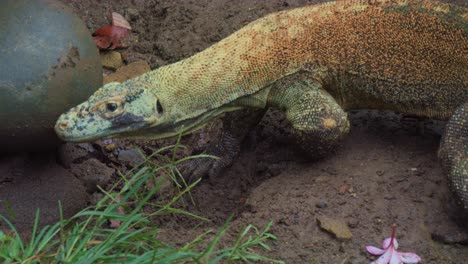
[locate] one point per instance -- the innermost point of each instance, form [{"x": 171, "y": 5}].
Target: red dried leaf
[
  {"x": 110, "y": 36},
  {"x": 102, "y": 42}
]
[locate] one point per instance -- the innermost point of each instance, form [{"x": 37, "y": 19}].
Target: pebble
[
  {"x": 336, "y": 227},
  {"x": 111, "y": 60},
  {"x": 124, "y": 73},
  {"x": 344, "y": 189},
  {"x": 131, "y": 157},
  {"x": 321, "y": 204}
]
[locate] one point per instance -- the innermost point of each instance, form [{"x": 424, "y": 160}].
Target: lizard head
[{"x": 113, "y": 109}]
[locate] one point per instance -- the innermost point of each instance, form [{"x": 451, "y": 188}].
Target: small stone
[
  {"x": 321, "y": 204},
  {"x": 131, "y": 157},
  {"x": 336, "y": 227},
  {"x": 111, "y": 60},
  {"x": 127, "y": 72},
  {"x": 344, "y": 189}
]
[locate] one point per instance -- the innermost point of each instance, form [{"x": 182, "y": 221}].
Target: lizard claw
[{"x": 195, "y": 169}]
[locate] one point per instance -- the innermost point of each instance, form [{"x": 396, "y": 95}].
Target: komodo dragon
[{"x": 314, "y": 63}]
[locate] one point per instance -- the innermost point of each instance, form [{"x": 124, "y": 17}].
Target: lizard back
[{"x": 409, "y": 56}]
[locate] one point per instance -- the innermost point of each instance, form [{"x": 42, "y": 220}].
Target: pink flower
[{"x": 389, "y": 253}]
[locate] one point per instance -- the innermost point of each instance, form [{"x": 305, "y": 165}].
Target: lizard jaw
[{"x": 62, "y": 132}]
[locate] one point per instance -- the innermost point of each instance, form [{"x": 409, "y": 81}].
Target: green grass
[{"x": 87, "y": 238}]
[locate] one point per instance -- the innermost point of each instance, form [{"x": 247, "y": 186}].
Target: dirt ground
[{"x": 386, "y": 172}]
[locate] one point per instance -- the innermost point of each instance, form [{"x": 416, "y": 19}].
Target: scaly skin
[{"x": 314, "y": 63}]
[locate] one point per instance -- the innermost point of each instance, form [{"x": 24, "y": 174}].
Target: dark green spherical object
[{"x": 48, "y": 63}]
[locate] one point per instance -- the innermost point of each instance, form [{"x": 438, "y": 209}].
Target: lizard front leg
[
  {"x": 236, "y": 126},
  {"x": 453, "y": 153},
  {"x": 319, "y": 123}
]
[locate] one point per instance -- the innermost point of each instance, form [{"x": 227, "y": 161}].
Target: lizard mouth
[{"x": 103, "y": 134}]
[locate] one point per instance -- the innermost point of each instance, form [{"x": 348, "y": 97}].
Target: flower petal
[
  {"x": 410, "y": 258},
  {"x": 374, "y": 250},
  {"x": 386, "y": 242},
  {"x": 396, "y": 259},
  {"x": 385, "y": 258},
  {"x": 395, "y": 243}
]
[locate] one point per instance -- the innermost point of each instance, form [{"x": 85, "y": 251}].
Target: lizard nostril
[{"x": 63, "y": 125}]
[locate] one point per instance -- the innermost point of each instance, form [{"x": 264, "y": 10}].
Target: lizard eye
[{"x": 111, "y": 107}]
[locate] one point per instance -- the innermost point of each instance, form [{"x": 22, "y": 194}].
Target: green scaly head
[
  {"x": 137, "y": 108},
  {"x": 115, "y": 109}
]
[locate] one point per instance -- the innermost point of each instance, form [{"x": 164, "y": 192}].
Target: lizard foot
[
  {"x": 224, "y": 151},
  {"x": 195, "y": 169}
]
